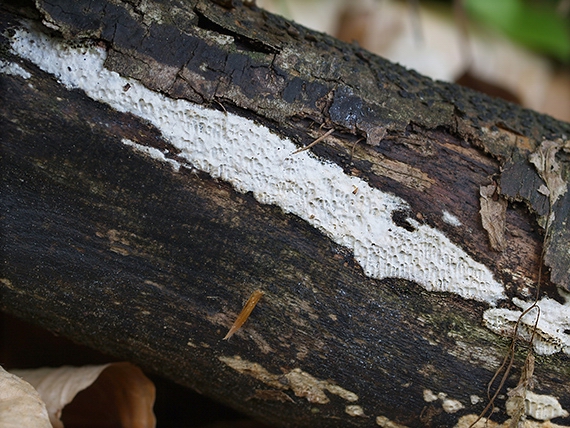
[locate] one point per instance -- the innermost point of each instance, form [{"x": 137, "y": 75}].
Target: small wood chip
[{"x": 245, "y": 312}]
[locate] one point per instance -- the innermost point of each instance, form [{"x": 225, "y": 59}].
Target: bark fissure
[
  {"x": 180, "y": 251},
  {"x": 372, "y": 105}
]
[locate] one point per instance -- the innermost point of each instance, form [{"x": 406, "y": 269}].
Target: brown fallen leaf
[{"x": 116, "y": 394}]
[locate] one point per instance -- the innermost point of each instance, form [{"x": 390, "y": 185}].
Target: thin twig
[
  {"x": 353, "y": 147},
  {"x": 510, "y": 357},
  {"x": 318, "y": 140},
  {"x": 222, "y": 106}
]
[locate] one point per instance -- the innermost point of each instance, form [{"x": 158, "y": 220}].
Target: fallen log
[{"x": 152, "y": 181}]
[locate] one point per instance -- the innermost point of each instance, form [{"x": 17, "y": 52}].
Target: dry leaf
[
  {"x": 544, "y": 159},
  {"x": 20, "y": 404},
  {"x": 493, "y": 213},
  {"x": 117, "y": 394}
]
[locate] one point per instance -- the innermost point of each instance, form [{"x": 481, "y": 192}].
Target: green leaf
[{"x": 537, "y": 26}]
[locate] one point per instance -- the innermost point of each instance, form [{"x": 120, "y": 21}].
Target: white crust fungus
[
  {"x": 13, "y": 69},
  {"x": 354, "y": 410},
  {"x": 450, "y": 219},
  {"x": 253, "y": 159},
  {"x": 429, "y": 396},
  {"x": 552, "y": 329},
  {"x": 300, "y": 382},
  {"x": 540, "y": 407},
  {"x": 450, "y": 405},
  {"x": 384, "y": 422}
]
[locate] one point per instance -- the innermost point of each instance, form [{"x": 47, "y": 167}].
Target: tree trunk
[{"x": 152, "y": 186}]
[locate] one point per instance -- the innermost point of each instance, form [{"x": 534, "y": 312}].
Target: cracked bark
[{"x": 157, "y": 263}]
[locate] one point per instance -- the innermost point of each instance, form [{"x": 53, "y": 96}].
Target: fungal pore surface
[{"x": 252, "y": 159}]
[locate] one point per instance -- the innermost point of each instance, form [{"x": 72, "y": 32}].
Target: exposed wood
[{"x": 117, "y": 250}]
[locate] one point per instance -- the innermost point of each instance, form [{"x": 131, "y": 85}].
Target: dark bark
[{"x": 115, "y": 250}]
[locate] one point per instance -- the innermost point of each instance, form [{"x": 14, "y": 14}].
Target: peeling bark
[
  {"x": 291, "y": 78},
  {"x": 105, "y": 220},
  {"x": 493, "y": 213}
]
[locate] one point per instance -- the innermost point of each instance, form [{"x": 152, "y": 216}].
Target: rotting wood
[
  {"x": 305, "y": 76},
  {"x": 151, "y": 258}
]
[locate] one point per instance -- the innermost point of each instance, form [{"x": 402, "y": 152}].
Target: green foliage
[{"x": 534, "y": 24}]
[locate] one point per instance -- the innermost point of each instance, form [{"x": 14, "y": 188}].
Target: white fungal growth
[
  {"x": 475, "y": 399},
  {"x": 450, "y": 405},
  {"x": 253, "y": 159},
  {"x": 384, "y": 422},
  {"x": 552, "y": 329},
  {"x": 153, "y": 152},
  {"x": 354, "y": 410},
  {"x": 450, "y": 219},
  {"x": 540, "y": 407},
  {"x": 13, "y": 69},
  {"x": 429, "y": 396}
]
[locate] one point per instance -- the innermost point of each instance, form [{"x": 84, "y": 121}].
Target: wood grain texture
[
  {"x": 117, "y": 251},
  {"x": 292, "y": 79}
]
